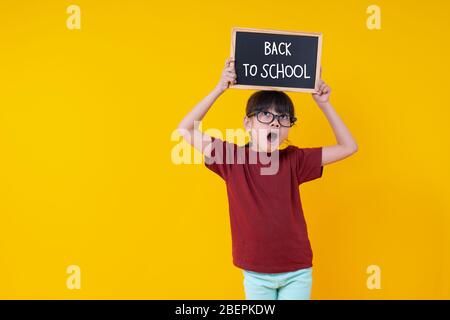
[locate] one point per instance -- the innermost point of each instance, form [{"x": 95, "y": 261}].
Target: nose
[{"x": 275, "y": 123}]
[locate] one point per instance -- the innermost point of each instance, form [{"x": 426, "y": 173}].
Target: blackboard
[{"x": 276, "y": 60}]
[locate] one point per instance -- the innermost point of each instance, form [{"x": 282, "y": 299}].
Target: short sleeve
[
  {"x": 222, "y": 156},
  {"x": 309, "y": 164}
]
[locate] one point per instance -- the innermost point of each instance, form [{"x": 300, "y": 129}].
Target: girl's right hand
[{"x": 228, "y": 75}]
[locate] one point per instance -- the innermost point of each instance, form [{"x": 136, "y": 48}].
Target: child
[{"x": 269, "y": 234}]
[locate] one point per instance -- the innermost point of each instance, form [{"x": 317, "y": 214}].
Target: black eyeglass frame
[{"x": 274, "y": 116}]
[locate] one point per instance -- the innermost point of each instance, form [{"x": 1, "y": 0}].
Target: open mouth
[{"x": 272, "y": 137}]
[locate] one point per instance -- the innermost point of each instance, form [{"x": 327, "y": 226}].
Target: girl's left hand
[{"x": 323, "y": 94}]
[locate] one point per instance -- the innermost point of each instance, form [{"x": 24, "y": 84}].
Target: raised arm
[
  {"x": 189, "y": 126},
  {"x": 346, "y": 144}
]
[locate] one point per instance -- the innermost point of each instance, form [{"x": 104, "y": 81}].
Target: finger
[
  {"x": 227, "y": 62},
  {"x": 319, "y": 85},
  {"x": 230, "y": 62},
  {"x": 322, "y": 87},
  {"x": 319, "y": 90},
  {"x": 320, "y": 72}
]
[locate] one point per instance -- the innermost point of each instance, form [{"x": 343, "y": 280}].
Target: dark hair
[{"x": 265, "y": 99}]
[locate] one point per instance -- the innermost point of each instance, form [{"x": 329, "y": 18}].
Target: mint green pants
[{"x": 294, "y": 285}]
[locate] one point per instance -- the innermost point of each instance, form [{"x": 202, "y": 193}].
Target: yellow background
[{"x": 86, "y": 175}]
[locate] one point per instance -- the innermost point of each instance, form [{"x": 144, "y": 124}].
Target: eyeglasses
[{"x": 267, "y": 117}]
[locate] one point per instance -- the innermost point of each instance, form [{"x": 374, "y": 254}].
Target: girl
[{"x": 269, "y": 234}]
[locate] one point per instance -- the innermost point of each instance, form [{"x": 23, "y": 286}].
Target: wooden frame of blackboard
[{"x": 299, "y": 33}]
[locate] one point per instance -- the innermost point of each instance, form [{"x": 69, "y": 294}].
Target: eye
[
  {"x": 266, "y": 113},
  {"x": 284, "y": 116}
]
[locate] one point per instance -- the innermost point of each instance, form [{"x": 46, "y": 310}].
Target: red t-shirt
[{"x": 268, "y": 229}]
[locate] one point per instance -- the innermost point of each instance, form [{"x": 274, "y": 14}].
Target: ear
[{"x": 247, "y": 123}]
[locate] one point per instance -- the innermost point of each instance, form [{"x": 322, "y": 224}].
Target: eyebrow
[{"x": 274, "y": 112}]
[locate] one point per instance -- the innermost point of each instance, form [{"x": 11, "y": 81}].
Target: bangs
[{"x": 264, "y": 100}]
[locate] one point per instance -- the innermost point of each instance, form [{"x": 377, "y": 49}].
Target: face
[{"x": 267, "y": 137}]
